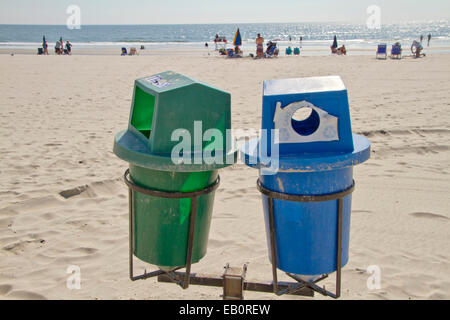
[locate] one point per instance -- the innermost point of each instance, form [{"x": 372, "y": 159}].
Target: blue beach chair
[
  {"x": 272, "y": 50},
  {"x": 382, "y": 51},
  {"x": 124, "y": 52},
  {"x": 396, "y": 51}
]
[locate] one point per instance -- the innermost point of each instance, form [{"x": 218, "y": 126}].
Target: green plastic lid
[{"x": 177, "y": 124}]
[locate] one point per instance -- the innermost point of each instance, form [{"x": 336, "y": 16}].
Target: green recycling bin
[{"x": 178, "y": 136}]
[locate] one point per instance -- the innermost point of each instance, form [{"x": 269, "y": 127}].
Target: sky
[{"x": 219, "y": 11}]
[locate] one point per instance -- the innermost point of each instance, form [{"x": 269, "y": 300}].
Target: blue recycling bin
[{"x": 311, "y": 158}]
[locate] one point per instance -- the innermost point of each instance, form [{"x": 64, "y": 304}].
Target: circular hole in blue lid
[{"x": 305, "y": 121}]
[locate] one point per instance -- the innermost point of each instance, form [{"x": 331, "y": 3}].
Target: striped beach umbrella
[{"x": 237, "y": 39}]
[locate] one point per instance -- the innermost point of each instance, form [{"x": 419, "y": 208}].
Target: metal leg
[
  {"x": 132, "y": 187},
  {"x": 339, "y": 247},
  {"x": 273, "y": 245},
  {"x": 131, "y": 232},
  {"x": 190, "y": 244}
]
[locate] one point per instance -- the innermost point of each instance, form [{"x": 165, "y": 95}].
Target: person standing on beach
[
  {"x": 46, "y": 48},
  {"x": 301, "y": 40},
  {"x": 429, "y": 38},
  {"x": 421, "y": 38},
  {"x": 58, "y": 47},
  {"x": 68, "y": 47},
  {"x": 260, "y": 46}
]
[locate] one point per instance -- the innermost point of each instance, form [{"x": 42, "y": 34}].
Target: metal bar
[
  {"x": 268, "y": 287},
  {"x": 148, "y": 275},
  {"x": 273, "y": 244},
  {"x": 190, "y": 244},
  {"x": 313, "y": 286},
  {"x": 302, "y": 284},
  {"x": 194, "y": 279},
  {"x": 169, "y": 195},
  {"x": 155, "y": 274},
  {"x": 212, "y": 281},
  {"x": 131, "y": 232},
  {"x": 339, "y": 247},
  {"x": 305, "y": 198}
]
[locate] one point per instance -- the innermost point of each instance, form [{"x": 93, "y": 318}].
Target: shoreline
[{"x": 198, "y": 51}]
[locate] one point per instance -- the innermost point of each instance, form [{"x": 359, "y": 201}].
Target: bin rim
[
  {"x": 307, "y": 162},
  {"x": 130, "y": 148}
]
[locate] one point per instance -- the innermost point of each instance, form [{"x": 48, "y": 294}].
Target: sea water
[{"x": 316, "y": 37}]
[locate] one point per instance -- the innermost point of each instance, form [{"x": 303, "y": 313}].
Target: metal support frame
[
  {"x": 301, "y": 287},
  {"x": 182, "y": 280},
  {"x": 339, "y": 196}
]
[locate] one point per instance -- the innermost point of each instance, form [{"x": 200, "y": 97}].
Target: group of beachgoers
[
  {"x": 397, "y": 51},
  {"x": 338, "y": 50},
  {"x": 272, "y": 49},
  {"x": 60, "y": 49}
]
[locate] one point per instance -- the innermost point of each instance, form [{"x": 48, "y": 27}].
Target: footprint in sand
[
  {"x": 5, "y": 289},
  {"x": 73, "y": 192},
  {"x": 428, "y": 215},
  {"x": 25, "y": 295}
]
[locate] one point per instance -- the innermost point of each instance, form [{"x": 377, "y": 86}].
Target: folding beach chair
[
  {"x": 272, "y": 50},
  {"x": 382, "y": 51},
  {"x": 288, "y": 51},
  {"x": 396, "y": 51},
  {"x": 133, "y": 52},
  {"x": 296, "y": 51}
]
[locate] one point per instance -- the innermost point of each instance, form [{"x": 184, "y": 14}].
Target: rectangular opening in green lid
[{"x": 143, "y": 109}]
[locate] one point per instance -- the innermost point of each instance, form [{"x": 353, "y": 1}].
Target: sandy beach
[{"x": 63, "y": 201}]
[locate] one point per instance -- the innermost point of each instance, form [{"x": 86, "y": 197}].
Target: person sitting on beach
[
  {"x": 342, "y": 51},
  {"x": 68, "y": 47},
  {"x": 416, "y": 49},
  {"x": 270, "y": 47},
  {"x": 288, "y": 51},
  {"x": 259, "y": 46},
  {"x": 58, "y": 48}
]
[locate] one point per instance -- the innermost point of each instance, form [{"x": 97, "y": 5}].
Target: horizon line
[{"x": 226, "y": 23}]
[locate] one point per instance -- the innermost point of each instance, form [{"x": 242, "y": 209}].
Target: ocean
[{"x": 317, "y": 37}]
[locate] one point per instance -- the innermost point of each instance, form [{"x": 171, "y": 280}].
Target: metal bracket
[
  {"x": 182, "y": 281},
  {"x": 233, "y": 283},
  {"x": 339, "y": 196},
  {"x": 233, "y": 280}
]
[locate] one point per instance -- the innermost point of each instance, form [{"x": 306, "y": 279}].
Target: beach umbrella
[
  {"x": 237, "y": 39},
  {"x": 335, "y": 44},
  {"x": 43, "y": 41}
]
